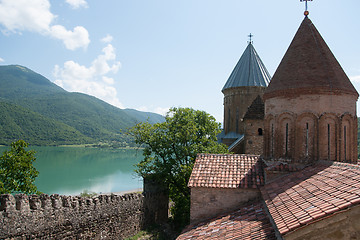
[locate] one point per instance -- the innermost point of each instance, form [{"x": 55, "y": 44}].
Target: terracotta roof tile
[
  {"x": 250, "y": 222},
  {"x": 312, "y": 193},
  {"x": 227, "y": 171}
]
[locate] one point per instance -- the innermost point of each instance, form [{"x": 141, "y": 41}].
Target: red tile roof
[
  {"x": 227, "y": 171},
  {"x": 250, "y": 222},
  {"x": 311, "y": 194}
]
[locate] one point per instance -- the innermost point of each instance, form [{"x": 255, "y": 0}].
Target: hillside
[
  {"x": 20, "y": 123},
  {"x": 93, "y": 120}
]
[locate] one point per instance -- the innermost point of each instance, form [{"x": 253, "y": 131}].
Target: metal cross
[
  {"x": 250, "y": 36},
  {"x": 306, "y": 6}
]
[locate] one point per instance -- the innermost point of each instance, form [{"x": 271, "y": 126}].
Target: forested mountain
[{"x": 34, "y": 108}]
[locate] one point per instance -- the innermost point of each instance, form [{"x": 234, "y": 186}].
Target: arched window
[
  {"x": 285, "y": 131},
  {"x": 260, "y": 131},
  {"x": 347, "y": 144},
  {"x": 305, "y": 141},
  {"x": 328, "y": 138}
]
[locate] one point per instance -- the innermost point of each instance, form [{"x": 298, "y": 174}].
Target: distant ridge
[{"x": 80, "y": 118}]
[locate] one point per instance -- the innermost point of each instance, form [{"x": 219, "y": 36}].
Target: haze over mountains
[{"x": 38, "y": 111}]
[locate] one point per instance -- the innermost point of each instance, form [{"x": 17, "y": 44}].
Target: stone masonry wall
[
  {"x": 305, "y": 128},
  {"x": 236, "y": 103},
  {"x": 210, "y": 202},
  {"x": 65, "y": 217},
  {"x": 254, "y": 139}
]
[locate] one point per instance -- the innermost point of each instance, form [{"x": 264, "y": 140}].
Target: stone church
[{"x": 305, "y": 182}]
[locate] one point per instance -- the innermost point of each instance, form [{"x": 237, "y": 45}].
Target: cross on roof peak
[
  {"x": 306, "y": 13},
  {"x": 250, "y": 38}
]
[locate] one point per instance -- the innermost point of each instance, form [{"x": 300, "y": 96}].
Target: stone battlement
[
  {"x": 55, "y": 202},
  {"x": 67, "y": 217}
]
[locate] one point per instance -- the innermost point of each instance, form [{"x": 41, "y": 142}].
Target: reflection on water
[{"x": 70, "y": 171}]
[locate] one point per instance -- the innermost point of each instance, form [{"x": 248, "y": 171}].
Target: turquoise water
[{"x": 71, "y": 170}]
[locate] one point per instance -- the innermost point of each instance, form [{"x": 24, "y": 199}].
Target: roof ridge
[{"x": 339, "y": 164}]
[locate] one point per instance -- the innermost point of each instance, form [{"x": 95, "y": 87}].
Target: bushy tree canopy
[
  {"x": 17, "y": 173},
  {"x": 170, "y": 151}
]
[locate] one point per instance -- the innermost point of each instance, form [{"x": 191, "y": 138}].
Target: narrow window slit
[
  {"x": 286, "y": 139},
  {"x": 307, "y": 140},
  {"x": 329, "y": 142},
  {"x": 345, "y": 143}
]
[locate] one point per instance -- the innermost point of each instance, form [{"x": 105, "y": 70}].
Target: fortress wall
[{"x": 66, "y": 217}]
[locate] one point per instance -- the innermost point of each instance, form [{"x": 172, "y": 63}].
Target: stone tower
[
  {"x": 248, "y": 80},
  {"x": 310, "y": 104}
]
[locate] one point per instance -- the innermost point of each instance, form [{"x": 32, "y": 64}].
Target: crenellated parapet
[{"x": 59, "y": 217}]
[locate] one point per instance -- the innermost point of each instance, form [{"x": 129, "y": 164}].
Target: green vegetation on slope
[
  {"x": 20, "y": 123},
  {"x": 55, "y": 116},
  {"x": 18, "y": 82},
  {"x": 89, "y": 115}
]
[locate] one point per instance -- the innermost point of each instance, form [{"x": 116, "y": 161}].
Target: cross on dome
[
  {"x": 250, "y": 37},
  {"x": 306, "y": 13}
]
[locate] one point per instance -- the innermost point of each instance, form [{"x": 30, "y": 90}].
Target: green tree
[
  {"x": 170, "y": 151},
  {"x": 17, "y": 173}
]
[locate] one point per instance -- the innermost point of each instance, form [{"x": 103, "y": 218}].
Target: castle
[
  {"x": 297, "y": 179},
  {"x": 305, "y": 181}
]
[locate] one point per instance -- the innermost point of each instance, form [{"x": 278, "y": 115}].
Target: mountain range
[{"x": 38, "y": 111}]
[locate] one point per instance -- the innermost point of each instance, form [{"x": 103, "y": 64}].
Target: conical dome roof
[
  {"x": 249, "y": 71},
  {"x": 308, "y": 66}
]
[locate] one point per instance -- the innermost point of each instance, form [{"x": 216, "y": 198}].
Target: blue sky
[{"x": 154, "y": 54}]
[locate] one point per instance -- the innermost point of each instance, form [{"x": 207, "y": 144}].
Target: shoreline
[{"x": 136, "y": 190}]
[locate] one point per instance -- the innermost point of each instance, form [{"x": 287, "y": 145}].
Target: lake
[{"x": 71, "y": 170}]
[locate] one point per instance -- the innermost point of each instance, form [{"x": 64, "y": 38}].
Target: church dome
[
  {"x": 249, "y": 71},
  {"x": 309, "y": 67}
]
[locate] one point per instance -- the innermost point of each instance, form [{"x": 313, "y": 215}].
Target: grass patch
[
  {"x": 153, "y": 233},
  {"x": 140, "y": 235},
  {"x": 88, "y": 194}
]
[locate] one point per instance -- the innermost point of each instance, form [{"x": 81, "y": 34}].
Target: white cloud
[
  {"x": 75, "y": 4},
  {"x": 1, "y": 60},
  {"x": 108, "y": 80},
  {"x": 72, "y": 39},
  {"x": 159, "y": 110},
  {"x": 107, "y": 39},
  {"x": 91, "y": 80},
  {"x": 35, "y": 16},
  {"x": 23, "y": 15},
  {"x": 355, "y": 79},
  {"x": 101, "y": 65}
]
